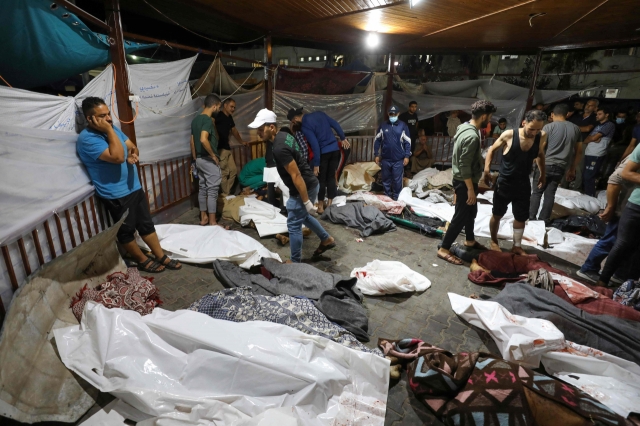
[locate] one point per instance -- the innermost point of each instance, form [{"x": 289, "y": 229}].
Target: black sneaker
[
  {"x": 592, "y": 277},
  {"x": 616, "y": 281}
]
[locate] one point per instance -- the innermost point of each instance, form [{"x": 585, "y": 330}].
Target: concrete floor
[{"x": 427, "y": 316}]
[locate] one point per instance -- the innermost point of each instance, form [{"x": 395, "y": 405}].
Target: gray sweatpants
[{"x": 210, "y": 177}]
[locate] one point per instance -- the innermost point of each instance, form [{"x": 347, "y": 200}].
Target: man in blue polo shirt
[{"x": 110, "y": 158}]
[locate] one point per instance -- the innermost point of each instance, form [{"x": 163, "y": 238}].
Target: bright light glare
[
  {"x": 395, "y": 64},
  {"x": 134, "y": 57},
  {"x": 413, "y": 2},
  {"x": 372, "y": 40}
]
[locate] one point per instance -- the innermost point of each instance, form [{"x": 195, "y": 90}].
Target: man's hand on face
[
  {"x": 100, "y": 123},
  {"x": 132, "y": 158}
]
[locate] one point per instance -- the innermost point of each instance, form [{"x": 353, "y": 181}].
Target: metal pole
[
  {"x": 391, "y": 70},
  {"x": 534, "y": 79},
  {"x": 116, "y": 41},
  {"x": 268, "y": 74}
]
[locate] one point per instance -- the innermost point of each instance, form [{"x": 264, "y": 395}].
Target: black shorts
[
  {"x": 518, "y": 194},
  {"x": 139, "y": 217}
]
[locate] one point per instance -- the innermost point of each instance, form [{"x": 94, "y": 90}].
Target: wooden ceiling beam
[
  {"x": 341, "y": 15},
  {"x": 602, "y": 44},
  {"x": 580, "y": 19},
  {"x": 212, "y": 10}
]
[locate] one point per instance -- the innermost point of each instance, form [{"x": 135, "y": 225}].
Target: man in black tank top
[{"x": 520, "y": 148}]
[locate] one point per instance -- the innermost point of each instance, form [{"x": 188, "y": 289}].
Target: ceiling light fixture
[
  {"x": 413, "y": 3},
  {"x": 372, "y": 40}
]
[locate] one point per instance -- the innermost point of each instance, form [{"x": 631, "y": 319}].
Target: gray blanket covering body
[
  {"x": 368, "y": 219},
  {"x": 336, "y": 297},
  {"x": 609, "y": 334}
]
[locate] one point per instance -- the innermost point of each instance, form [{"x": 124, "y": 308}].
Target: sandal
[
  {"x": 322, "y": 248},
  {"x": 451, "y": 259},
  {"x": 173, "y": 264},
  {"x": 150, "y": 266}
]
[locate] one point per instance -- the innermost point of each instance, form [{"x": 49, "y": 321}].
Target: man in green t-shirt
[
  {"x": 204, "y": 150},
  {"x": 629, "y": 224}
]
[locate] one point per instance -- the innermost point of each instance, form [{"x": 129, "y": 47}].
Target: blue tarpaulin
[{"x": 41, "y": 43}]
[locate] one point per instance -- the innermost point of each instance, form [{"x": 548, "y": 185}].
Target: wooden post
[
  {"x": 534, "y": 80},
  {"x": 391, "y": 70},
  {"x": 268, "y": 74},
  {"x": 116, "y": 40}
]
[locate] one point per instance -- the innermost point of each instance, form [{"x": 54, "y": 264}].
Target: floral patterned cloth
[
  {"x": 241, "y": 304},
  {"x": 122, "y": 290}
]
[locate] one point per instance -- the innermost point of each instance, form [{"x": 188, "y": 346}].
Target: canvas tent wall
[{"x": 43, "y": 43}]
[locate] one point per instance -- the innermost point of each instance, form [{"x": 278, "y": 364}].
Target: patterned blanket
[
  {"x": 241, "y": 304},
  {"x": 122, "y": 290},
  {"x": 479, "y": 389}
]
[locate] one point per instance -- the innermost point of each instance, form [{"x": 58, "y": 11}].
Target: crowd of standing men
[{"x": 309, "y": 158}]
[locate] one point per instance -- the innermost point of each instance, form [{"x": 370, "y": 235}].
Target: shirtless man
[{"x": 519, "y": 150}]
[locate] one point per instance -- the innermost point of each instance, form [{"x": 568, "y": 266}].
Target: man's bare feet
[
  {"x": 518, "y": 251},
  {"x": 495, "y": 246},
  {"x": 320, "y": 206},
  {"x": 204, "y": 219},
  {"x": 475, "y": 266}
]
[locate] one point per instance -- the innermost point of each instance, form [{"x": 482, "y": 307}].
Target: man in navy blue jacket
[
  {"x": 317, "y": 128},
  {"x": 393, "y": 146}
]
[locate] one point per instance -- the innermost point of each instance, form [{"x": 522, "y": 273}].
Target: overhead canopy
[
  {"x": 41, "y": 43},
  {"x": 412, "y": 26}
]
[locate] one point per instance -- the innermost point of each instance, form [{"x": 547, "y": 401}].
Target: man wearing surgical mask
[{"x": 392, "y": 149}]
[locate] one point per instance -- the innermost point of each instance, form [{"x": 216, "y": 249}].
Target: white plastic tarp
[
  {"x": 30, "y": 109},
  {"x": 204, "y": 244},
  {"x": 162, "y": 87},
  {"x": 40, "y": 174},
  {"x": 380, "y": 277},
  {"x": 565, "y": 245},
  {"x": 493, "y": 90},
  {"x": 193, "y": 369},
  {"x": 353, "y": 112},
  {"x": 216, "y": 80},
  {"x": 431, "y": 105},
  {"x": 613, "y": 381},
  {"x": 443, "y": 211},
  {"x": 247, "y": 107},
  {"x": 266, "y": 217},
  {"x": 519, "y": 339}
]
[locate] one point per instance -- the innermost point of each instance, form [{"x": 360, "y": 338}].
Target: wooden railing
[
  {"x": 166, "y": 184},
  {"x": 362, "y": 150}
]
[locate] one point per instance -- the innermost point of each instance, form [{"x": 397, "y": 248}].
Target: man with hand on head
[
  {"x": 204, "y": 150},
  {"x": 111, "y": 158},
  {"x": 467, "y": 165},
  {"x": 520, "y": 148},
  {"x": 392, "y": 145},
  {"x": 303, "y": 185}
]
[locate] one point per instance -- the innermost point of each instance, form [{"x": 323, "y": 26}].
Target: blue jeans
[
  {"x": 602, "y": 248},
  {"x": 591, "y": 170},
  {"x": 298, "y": 216}
]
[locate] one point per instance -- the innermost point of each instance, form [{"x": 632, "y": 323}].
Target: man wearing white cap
[
  {"x": 303, "y": 185},
  {"x": 393, "y": 145}
]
